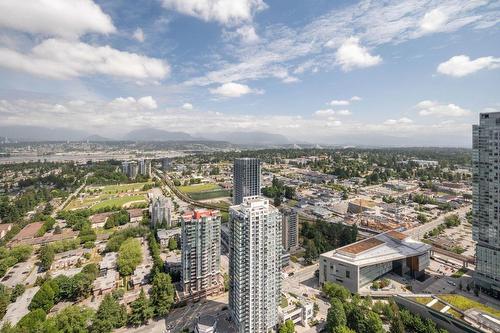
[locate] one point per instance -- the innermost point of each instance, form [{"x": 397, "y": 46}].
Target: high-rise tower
[
  {"x": 201, "y": 232},
  {"x": 486, "y": 201},
  {"x": 255, "y": 250},
  {"x": 246, "y": 178}
]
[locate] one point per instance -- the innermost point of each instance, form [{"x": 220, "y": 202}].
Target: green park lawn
[
  {"x": 118, "y": 202},
  {"x": 464, "y": 303},
  {"x": 199, "y": 188},
  {"x": 124, "y": 187}
]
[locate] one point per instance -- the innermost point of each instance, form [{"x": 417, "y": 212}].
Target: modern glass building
[
  {"x": 255, "y": 250},
  {"x": 486, "y": 201},
  {"x": 356, "y": 265},
  {"x": 246, "y": 178}
]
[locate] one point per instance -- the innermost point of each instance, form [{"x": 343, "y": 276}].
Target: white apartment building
[{"x": 255, "y": 250}]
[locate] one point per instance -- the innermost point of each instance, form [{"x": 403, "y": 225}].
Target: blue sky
[{"x": 367, "y": 72}]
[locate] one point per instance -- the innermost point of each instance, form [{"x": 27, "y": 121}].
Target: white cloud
[
  {"x": 462, "y": 65},
  {"x": 146, "y": 102},
  {"x": 336, "y": 102},
  {"x": 344, "y": 112},
  {"x": 330, "y": 113},
  {"x": 247, "y": 34},
  {"x": 63, "y": 18},
  {"x": 138, "y": 35},
  {"x": 400, "y": 121},
  {"x": 355, "y": 98},
  {"x": 227, "y": 12},
  {"x": 232, "y": 89},
  {"x": 303, "y": 49},
  {"x": 187, "y": 106},
  {"x": 433, "y": 108},
  {"x": 433, "y": 20},
  {"x": 325, "y": 113},
  {"x": 352, "y": 55},
  {"x": 60, "y": 59},
  {"x": 101, "y": 117}
]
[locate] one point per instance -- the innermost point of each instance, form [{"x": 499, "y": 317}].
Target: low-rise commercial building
[{"x": 358, "y": 264}]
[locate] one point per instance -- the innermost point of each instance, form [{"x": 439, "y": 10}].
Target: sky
[{"x": 329, "y": 72}]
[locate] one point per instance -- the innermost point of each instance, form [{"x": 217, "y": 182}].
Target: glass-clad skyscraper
[
  {"x": 486, "y": 201},
  {"x": 246, "y": 178}
]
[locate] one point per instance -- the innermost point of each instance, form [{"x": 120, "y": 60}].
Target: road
[
  {"x": 70, "y": 197},
  {"x": 184, "y": 317},
  {"x": 420, "y": 231}
]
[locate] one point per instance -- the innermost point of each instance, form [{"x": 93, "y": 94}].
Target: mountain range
[{"x": 37, "y": 133}]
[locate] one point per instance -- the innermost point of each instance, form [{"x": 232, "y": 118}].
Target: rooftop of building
[
  {"x": 167, "y": 233},
  {"x": 388, "y": 246},
  {"x": 28, "y": 231},
  {"x": 200, "y": 213}
]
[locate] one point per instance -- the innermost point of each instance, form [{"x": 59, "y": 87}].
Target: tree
[
  {"x": 333, "y": 290},
  {"x": 373, "y": 323},
  {"x": 129, "y": 256},
  {"x": 4, "y": 300},
  {"x": 162, "y": 294},
  {"x": 110, "y": 315},
  {"x": 141, "y": 311},
  {"x": 172, "y": 244},
  {"x": 397, "y": 324},
  {"x": 287, "y": 327},
  {"x": 311, "y": 252},
  {"x": 32, "y": 322},
  {"x": 336, "y": 315},
  {"x": 46, "y": 257},
  {"x": 17, "y": 291},
  {"x": 344, "y": 329},
  {"x": 72, "y": 319},
  {"x": 43, "y": 299}
]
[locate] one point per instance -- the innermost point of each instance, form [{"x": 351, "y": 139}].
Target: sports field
[{"x": 199, "y": 188}]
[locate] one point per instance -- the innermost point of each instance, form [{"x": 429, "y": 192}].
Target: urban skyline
[
  {"x": 101, "y": 70},
  {"x": 250, "y": 166}
]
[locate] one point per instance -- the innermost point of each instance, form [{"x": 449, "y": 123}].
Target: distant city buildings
[
  {"x": 255, "y": 251},
  {"x": 161, "y": 212},
  {"x": 246, "y": 178},
  {"x": 358, "y": 264},
  {"x": 134, "y": 168},
  {"x": 166, "y": 164},
  {"x": 201, "y": 232},
  {"x": 486, "y": 201},
  {"x": 290, "y": 230},
  {"x": 145, "y": 167}
]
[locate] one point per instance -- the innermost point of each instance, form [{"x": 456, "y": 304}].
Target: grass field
[
  {"x": 464, "y": 304},
  {"x": 120, "y": 188},
  {"x": 118, "y": 202},
  {"x": 198, "y": 188}
]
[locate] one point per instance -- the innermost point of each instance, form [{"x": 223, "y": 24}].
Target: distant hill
[
  {"x": 37, "y": 133},
  {"x": 153, "y": 134},
  {"x": 245, "y": 138},
  {"x": 97, "y": 138}
]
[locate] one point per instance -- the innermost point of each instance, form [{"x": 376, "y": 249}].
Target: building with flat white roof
[{"x": 355, "y": 265}]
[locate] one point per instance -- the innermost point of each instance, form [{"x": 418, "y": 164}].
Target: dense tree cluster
[
  {"x": 278, "y": 190},
  {"x": 12, "y": 210},
  {"x": 120, "y": 236},
  {"x": 129, "y": 256},
  {"x": 321, "y": 236},
  {"x": 350, "y": 313},
  {"x": 119, "y": 218},
  {"x": 9, "y": 258},
  {"x": 63, "y": 288}
]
